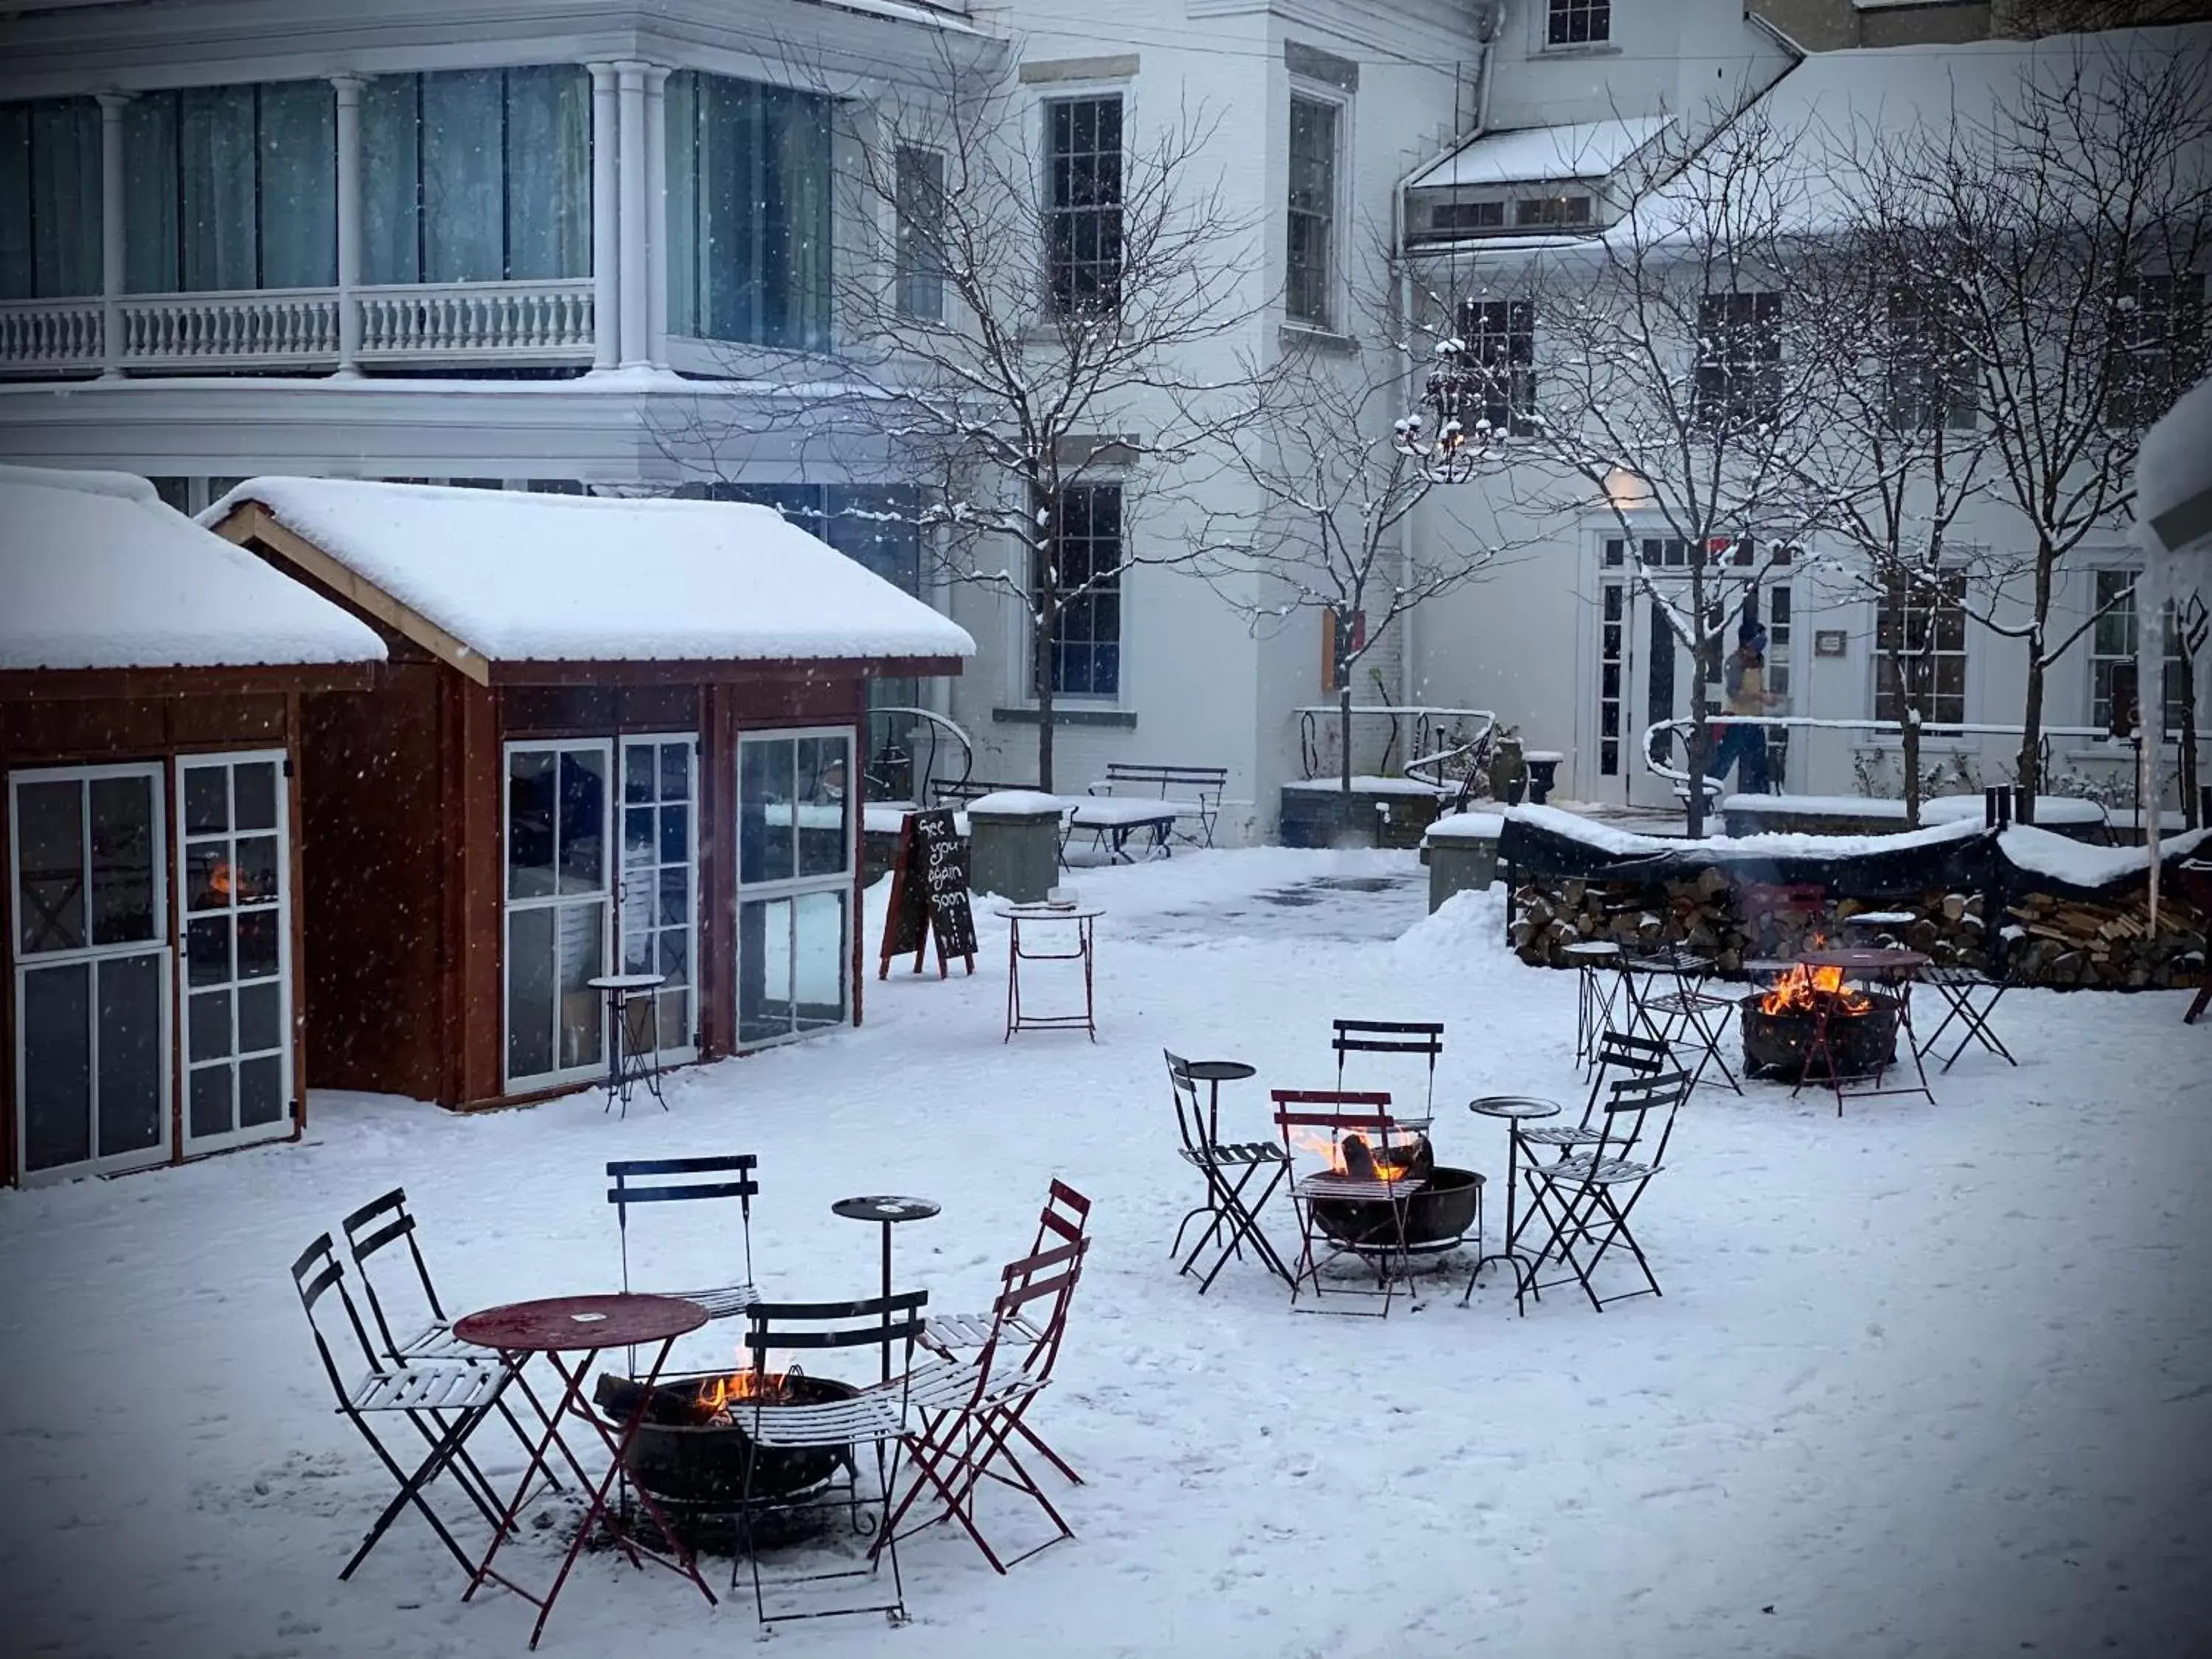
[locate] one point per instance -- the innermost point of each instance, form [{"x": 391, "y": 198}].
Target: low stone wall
[{"x": 2044, "y": 938}]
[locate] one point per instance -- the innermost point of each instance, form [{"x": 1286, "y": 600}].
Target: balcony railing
[{"x": 454, "y": 323}]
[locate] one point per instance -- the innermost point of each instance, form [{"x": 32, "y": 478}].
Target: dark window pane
[
  {"x": 260, "y": 1017},
  {"x": 207, "y": 799},
  {"x": 259, "y": 937},
  {"x": 530, "y": 777},
  {"x": 207, "y": 951},
  {"x": 133, "y": 1059},
  {"x": 51, "y": 876},
  {"x": 637, "y": 773},
  {"x": 57, "y": 1044},
  {"x": 675, "y": 835},
  {"x": 676, "y": 898},
  {"x": 583, "y": 820},
  {"x": 675, "y": 771},
  {"x": 765, "y": 786},
  {"x": 637, "y": 836},
  {"x": 256, "y": 791},
  {"x": 208, "y": 1019},
  {"x": 209, "y": 1112},
  {"x": 254, "y": 879},
  {"x": 260, "y": 1092},
  {"x": 122, "y": 822},
  {"x": 210, "y": 878},
  {"x": 529, "y": 993}
]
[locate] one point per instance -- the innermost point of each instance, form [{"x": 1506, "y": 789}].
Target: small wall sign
[{"x": 1830, "y": 641}]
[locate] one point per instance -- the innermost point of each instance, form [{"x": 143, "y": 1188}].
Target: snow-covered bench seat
[
  {"x": 1113, "y": 819},
  {"x": 1197, "y": 789}
]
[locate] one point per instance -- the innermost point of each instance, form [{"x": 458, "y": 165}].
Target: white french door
[
  {"x": 92, "y": 990},
  {"x": 797, "y": 839},
  {"x": 233, "y": 889},
  {"x": 658, "y": 898},
  {"x": 560, "y": 900}
]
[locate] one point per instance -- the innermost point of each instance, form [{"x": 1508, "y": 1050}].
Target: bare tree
[
  {"x": 2078, "y": 213},
  {"x": 1328, "y": 491},
  {"x": 1024, "y": 320},
  {"x": 2031, "y": 19},
  {"x": 1675, "y": 385}
]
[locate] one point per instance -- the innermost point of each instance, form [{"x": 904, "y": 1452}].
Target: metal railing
[
  {"x": 1446, "y": 746},
  {"x": 1682, "y": 725}
]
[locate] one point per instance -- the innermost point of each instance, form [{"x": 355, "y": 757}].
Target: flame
[
  {"x": 720, "y": 1396},
  {"x": 219, "y": 879},
  {"x": 1799, "y": 990},
  {"x": 1389, "y": 1161}
]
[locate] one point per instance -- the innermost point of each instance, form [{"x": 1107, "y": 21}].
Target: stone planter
[
  {"x": 1461, "y": 853},
  {"x": 1013, "y": 845},
  {"x": 1321, "y": 815},
  {"x": 1543, "y": 771}
]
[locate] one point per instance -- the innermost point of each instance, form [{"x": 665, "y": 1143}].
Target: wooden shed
[
  {"x": 614, "y": 736},
  {"x": 152, "y": 678}
]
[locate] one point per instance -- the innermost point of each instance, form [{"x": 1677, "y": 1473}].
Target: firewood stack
[{"x": 2053, "y": 941}]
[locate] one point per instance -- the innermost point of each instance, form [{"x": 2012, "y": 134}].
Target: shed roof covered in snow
[
  {"x": 485, "y": 577},
  {"x": 1581, "y": 149},
  {"x": 100, "y": 573}
]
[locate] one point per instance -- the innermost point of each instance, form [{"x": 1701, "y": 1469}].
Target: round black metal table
[
  {"x": 1514, "y": 1108},
  {"x": 889, "y": 1210},
  {"x": 624, "y": 1066},
  {"x": 1213, "y": 1074}
]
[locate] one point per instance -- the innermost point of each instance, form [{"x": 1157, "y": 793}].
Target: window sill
[
  {"x": 1121, "y": 719},
  {"x": 1304, "y": 337},
  {"x": 1578, "y": 49}
]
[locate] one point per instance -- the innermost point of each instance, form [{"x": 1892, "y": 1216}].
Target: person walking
[{"x": 1743, "y": 684}]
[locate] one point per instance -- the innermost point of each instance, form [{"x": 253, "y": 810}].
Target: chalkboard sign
[{"x": 929, "y": 895}]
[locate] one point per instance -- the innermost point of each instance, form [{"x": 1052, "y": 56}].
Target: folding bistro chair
[
  {"x": 722, "y": 1301},
  {"x": 873, "y": 1419},
  {"x": 384, "y": 1225},
  {"x": 961, "y": 1337},
  {"x": 1229, "y": 1169},
  {"x": 1970, "y": 998},
  {"x": 1586, "y": 1198},
  {"x": 442, "y": 1401},
  {"x": 1351, "y": 1178},
  {"x": 965, "y": 1438},
  {"x": 1618, "y": 1054},
  {"x": 1693, "y": 1022},
  {"x": 1391, "y": 1037}
]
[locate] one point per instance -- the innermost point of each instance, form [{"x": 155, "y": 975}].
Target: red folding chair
[
  {"x": 1361, "y": 1142},
  {"x": 965, "y": 1438}
]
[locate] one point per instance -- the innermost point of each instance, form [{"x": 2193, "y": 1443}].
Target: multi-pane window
[
  {"x": 1739, "y": 359},
  {"x": 749, "y": 211},
  {"x": 1086, "y": 635},
  {"x": 920, "y": 254},
  {"x": 49, "y": 199},
  {"x": 1577, "y": 22},
  {"x": 1309, "y": 287},
  {"x": 476, "y": 175},
  {"x": 1922, "y": 633},
  {"x": 2113, "y": 642},
  {"x": 231, "y": 187},
  {"x": 1611, "y": 665},
  {"x": 2155, "y": 346},
  {"x": 1082, "y": 204},
  {"x": 1499, "y": 337},
  {"x": 1932, "y": 377},
  {"x": 1541, "y": 212}
]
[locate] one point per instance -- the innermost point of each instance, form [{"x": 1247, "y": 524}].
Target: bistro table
[
  {"x": 1081, "y": 918},
  {"x": 585, "y": 1327},
  {"x": 1213, "y": 1074},
  {"x": 625, "y": 1066},
  {"x": 889, "y": 1210},
  {"x": 1887, "y": 969},
  {"x": 1515, "y": 1109}
]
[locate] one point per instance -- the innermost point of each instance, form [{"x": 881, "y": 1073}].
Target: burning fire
[
  {"x": 1800, "y": 990},
  {"x": 721, "y": 1397},
  {"x": 1352, "y": 1156}
]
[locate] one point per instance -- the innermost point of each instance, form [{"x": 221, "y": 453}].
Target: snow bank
[
  {"x": 1467, "y": 924},
  {"x": 521, "y": 577},
  {"x": 1468, "y": 826},
  {"x": 2078, "y": 865},
  {"x": 100, "y": 573}
]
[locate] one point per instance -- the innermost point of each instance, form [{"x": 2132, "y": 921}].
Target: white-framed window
[
  {"x": 1086, "y": 635},
  {"x": 1927, "y": 631},
  {"x": 1577, "y": 22},
  {"x": 1553, "y": 210},
  {"x": 919, "y": 187},
  {"x": 234, "y": 886},
  {"x": 2155, "y": 345},
  {"x": 797, "y": 840},
  {"x": 560, "y": 895},
  {"x": 1310, "y": 247},
  {"x": 1932, "y": 376},
  {"x": 1083, "y": 203},
  {"x": 657, "y": 897},
  {"x": 93, "y": 1040},
  {"x": 1499, "y": 337},
  {"x": 2114, "y": 640},
  {"x": 1739, "y": 359}
]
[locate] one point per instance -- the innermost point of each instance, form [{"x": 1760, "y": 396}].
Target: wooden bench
[
  {"x": 1198, "y": 793},
  {"x": 944, "y": 792}
]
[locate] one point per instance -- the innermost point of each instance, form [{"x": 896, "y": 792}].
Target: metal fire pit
[
  {"x": 1862, "y": 1041},
  {"x": 681, "y": 1458},
  {"x": 1437, "y": 1215}
]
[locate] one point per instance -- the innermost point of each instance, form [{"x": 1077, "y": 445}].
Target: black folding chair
[
  {"x": 1391, "y": 1037},
  {"x": 874, "y": 1419},
  {"x": 442, "y": 1401},
  {"x": 723, "y": 1301},
  {"x": 1693, "y": 1023},
  {"x": 1232, "y": 1216},
  {"x": 1586, "y": 1198},
  {"x": 1619, "y": 1055},
  {"x": 1970, "y": 998}
]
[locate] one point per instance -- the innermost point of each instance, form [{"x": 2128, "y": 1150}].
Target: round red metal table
[
  {"x": 1894, "y": 970},
  {"x": 584, "y": 1326}
]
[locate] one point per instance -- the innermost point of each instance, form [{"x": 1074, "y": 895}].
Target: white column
[
  {"x": 656, "y": 215},
  {"x": 110, "y": 234},
  {"x": 635, "y": 310},
  {"x": 348, "y": 88},
  {"x": 605, "y": 281}
]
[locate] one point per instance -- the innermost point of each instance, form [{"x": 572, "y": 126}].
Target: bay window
[
  {"x": 230, "y": 188},
  {"x": 49, "y": 199}
]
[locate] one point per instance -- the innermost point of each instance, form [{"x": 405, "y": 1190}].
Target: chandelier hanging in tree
[{"x": 1450, "y": 437}]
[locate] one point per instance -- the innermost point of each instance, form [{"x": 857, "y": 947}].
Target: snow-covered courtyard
[{"x": 1924, "y": 1380}]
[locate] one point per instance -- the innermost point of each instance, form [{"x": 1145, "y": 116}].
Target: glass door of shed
[
  {"x": 797, "y": 833},
  {"x": 658, "y": 896},
  {"x": 92, "y": 1022},
  {"x": 560, "y": 897},
  {"x": 234, "y": 886}
]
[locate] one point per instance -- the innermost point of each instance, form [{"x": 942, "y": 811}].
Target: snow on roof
[
  {"x": 2080, "y": 864},
  {"x": 1581, "y": 149},
  {"x": 101, "y": 573},
  {"x": 528, "y": 578},
  {"x": 1723, "y": 849},
  {"x": 2173, "y": 471}
]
